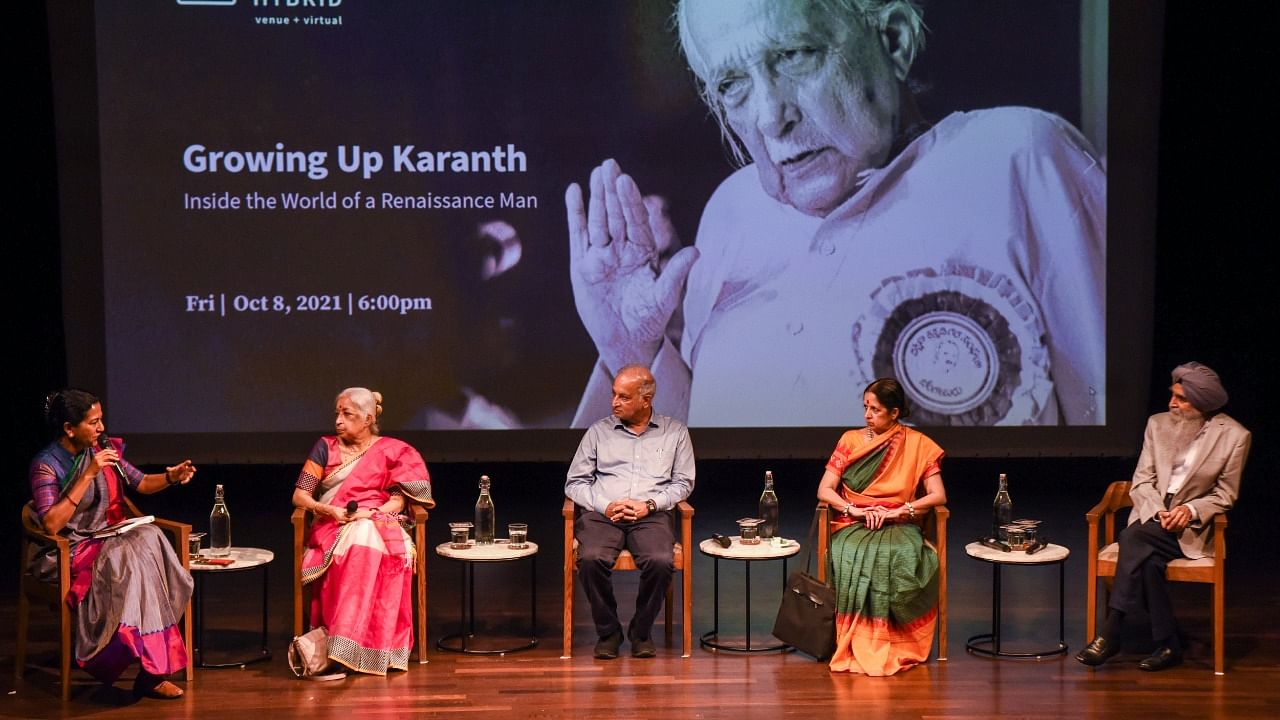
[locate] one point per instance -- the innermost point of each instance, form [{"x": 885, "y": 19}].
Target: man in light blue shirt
[{"x": 630, "y": 468}]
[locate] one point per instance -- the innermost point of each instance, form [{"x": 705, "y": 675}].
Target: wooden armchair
[
  {"x": 683, "y": 557},
  {"x": 301, "y": 520},
  {"x": 1102, "y": 564},
  {"x": 54, "y": 595},
  {"x": 934, "y": 525}
]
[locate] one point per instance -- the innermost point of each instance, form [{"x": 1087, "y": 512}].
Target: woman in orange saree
[{"x": 885, "y": 574}]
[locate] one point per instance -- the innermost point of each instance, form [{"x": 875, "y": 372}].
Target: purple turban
[{"x": 1201, "y": 386}]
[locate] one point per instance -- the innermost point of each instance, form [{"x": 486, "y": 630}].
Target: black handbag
[{"x": 807, "y": 615}]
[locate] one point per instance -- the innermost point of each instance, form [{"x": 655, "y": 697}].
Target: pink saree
[{"x": 361, "y": 571}]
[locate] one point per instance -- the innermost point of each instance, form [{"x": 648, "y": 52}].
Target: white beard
[{"x": 1185, "y": 429}]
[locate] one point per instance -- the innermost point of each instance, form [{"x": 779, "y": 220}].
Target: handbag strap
[{"x": 810, "y": 542}]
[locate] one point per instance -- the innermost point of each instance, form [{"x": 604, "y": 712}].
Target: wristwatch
[{"x": 653, "y": 506}]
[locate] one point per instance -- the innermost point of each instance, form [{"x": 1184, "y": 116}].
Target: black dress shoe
[
  {"x": 1162, "y": 659},
  {"x": 1098, "y": 651},
  {"x": 641, "y": 647},
  {"x": 607, "y": 646}
]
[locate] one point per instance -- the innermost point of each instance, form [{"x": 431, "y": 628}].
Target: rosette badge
[{"x": 966, "y": 348}]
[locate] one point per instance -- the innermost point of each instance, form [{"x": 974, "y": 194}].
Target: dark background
[{"x": 1213, "y": 303}]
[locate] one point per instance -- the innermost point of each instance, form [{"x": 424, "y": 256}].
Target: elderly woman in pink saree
[{"x": 358, "y": 559}]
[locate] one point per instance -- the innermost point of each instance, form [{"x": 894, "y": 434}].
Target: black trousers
[
  {"x": 1145, "y": 552},
  {"x": 599, "y": 542}
]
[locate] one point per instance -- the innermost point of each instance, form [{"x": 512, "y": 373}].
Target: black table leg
[
  {"x": 977, "y": 644},
  {"x": 715, "y": 620},
  {"x": 1062, "y": 613},
  {"x": 711, "y": 639},
  {"x": 198, "y": 654},
  {"x": 266, "y": 648},
  {"x": 467, "y": 589},
  {"x": 457, "y": 642},
  {"x": 995, "y": 609}
]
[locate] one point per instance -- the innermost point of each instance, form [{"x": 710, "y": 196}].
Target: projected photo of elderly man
[{"x": 857, "y": 239}]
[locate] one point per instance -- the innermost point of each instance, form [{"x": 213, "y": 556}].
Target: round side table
[
  {"x": 746, "y": 554},
  {"x": 468, "y": 558},
  {"x": 989, "y": 643},
  {"x": 243, "y": 558}
]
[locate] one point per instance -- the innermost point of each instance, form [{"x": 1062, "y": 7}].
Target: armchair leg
[
  {"x": 566, "y": 650},
  {"x": 420, "y": 580},
  {"x": 686, "y": 597},
  {"x": 65, "y": 653},
  {"x": 186, "y": 635},
  {"x": 1219, "y": 610},
  {"x": 297, "y": 606},
  {"x": 1091, "y": 610}
]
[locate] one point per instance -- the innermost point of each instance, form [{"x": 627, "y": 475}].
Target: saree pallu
[
  {"x": 886, "y": 580},
  {"x": 128, "y": 591},
  {"x": 362, "y": 571}
]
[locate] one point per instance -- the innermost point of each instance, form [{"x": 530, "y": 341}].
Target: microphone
[
  {"x": 352, "y": 507},
  {"x": 105, "y": 444}
]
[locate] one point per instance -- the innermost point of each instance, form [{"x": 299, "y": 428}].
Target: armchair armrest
[
  {"x": 180, "y": 532},
  {"x": 32, "y": 530},
  {"x": 567, "y": 511},
  {"x": 1116, "y": 498},
  {"x": 685, "y": 512},
  {"x": 1219, "y": 541},
  {"x": 299, "y": 519}
]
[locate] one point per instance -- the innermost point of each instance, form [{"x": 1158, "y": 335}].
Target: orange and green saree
[{"x": 886, "y": 580}]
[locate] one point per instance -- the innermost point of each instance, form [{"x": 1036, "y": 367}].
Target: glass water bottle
[
  {"x": 1001, "y": 509},
  {"x": 768, "y": 508},
  {"x": 485, "y": 520},
  {"x": 219, "y": 526}
]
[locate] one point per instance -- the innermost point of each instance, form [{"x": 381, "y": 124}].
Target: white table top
[
  {"x": 1050, "y": 554},
  {"x": 737, "y": 551},
  {"x": 497, "y": 552},
  {"x": 244, "y": 557}
]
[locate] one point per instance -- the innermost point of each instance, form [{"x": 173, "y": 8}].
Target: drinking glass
[
  {"x": 460, "y": 535},
  {"x": 193, "y": 544},
  {"x": 518, "y": 534},
  {"x": 749, "y": 531},
  {"x": 1015, "y": 537}
]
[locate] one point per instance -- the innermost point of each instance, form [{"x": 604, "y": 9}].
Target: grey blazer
[{"x": 1211, "y": 486}]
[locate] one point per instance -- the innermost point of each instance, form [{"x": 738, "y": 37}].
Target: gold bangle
[{"x": 911, "y": 511}]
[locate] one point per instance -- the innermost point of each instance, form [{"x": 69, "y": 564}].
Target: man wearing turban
[{"x": 1189, "y": 471}]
